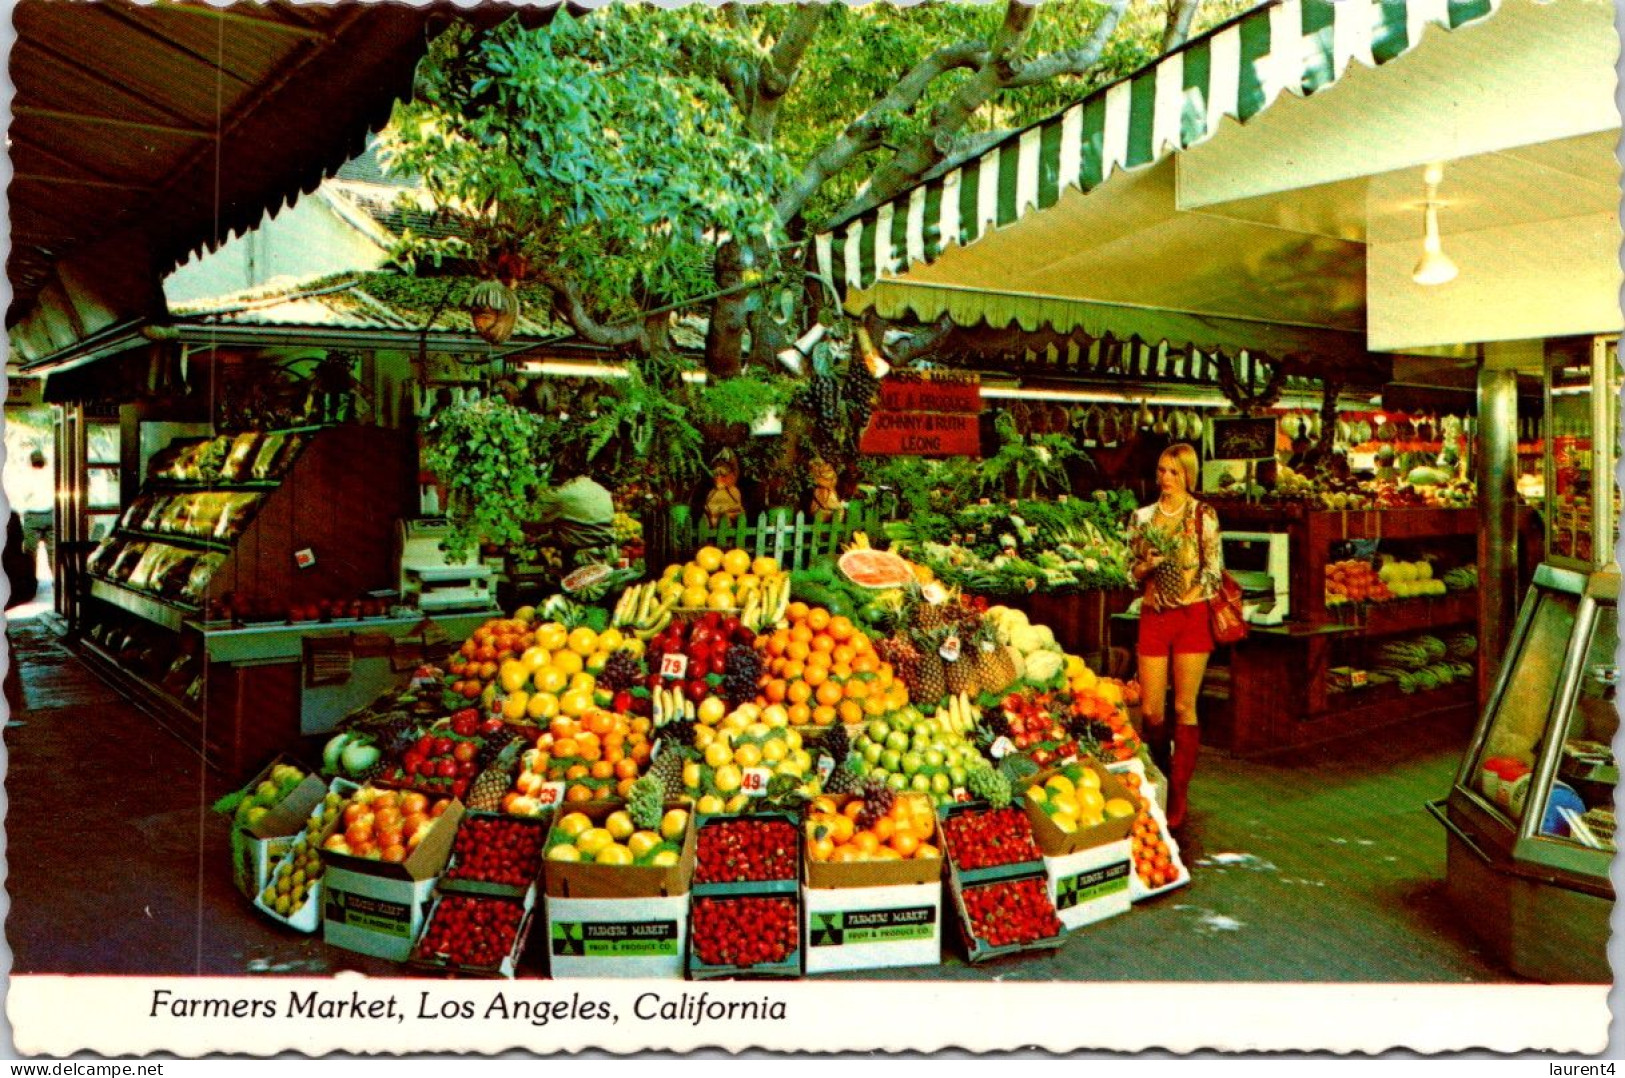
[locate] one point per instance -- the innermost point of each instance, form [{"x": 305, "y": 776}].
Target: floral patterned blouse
[{"x": 1200, "y": 558}]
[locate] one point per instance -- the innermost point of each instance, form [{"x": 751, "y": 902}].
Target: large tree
[{"x": 637, "y": 160}]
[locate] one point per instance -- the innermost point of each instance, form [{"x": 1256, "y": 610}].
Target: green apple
[
  {"x": 912, "y": 762},
  {"x": 941, "y": 784},
  {"x": 872, "y": 752},
  {"x": 956, "y": 775},
  {"x": 891, "y": 760},
  {"x": 934, "y": 757},
  {"x": 878, "y": 729},
  {"x": 920, "y": 784},
  {"x": 897, "y": 741},
  {"x": 897, "y": 781}
]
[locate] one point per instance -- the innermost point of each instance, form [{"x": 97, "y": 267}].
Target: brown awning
[{"x": 143, "y": 132}]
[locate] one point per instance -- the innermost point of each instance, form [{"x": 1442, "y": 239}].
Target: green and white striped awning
[{"x": 1290, "y": 47}]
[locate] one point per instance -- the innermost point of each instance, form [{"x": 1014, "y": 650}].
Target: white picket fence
[{"x": 789, "y": 536}]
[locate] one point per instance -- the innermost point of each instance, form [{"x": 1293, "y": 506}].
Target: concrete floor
[{"x": 1321, "y": 868}]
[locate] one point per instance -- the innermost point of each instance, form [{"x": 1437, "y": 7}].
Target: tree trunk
[{"x": 725, "y": 339}]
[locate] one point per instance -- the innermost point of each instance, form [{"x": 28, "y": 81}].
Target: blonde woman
[{"x": 1178, "y": 563}]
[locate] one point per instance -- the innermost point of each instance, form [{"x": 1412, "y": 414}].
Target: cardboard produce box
[
  {"x": 1056, "y": 843},
  {"x": 788, "y": 967},
  {"x": 901, "y": 873},
  {"x": 570, "y": 879},
  {"x": 617, "y": 937},
  {"x": 1091, "y": 885},
  {"x": 450, "y": 884},
  {"x": 847, "y": 928},
  {"x": 256, "y": 848},
  {"x": 978, "y": 949},
  {"x": 377, "y": 907},
  {"x": 505, "y": 968}
]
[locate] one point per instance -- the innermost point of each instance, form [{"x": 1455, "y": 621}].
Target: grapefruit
[{"x": 875, "y": 568}]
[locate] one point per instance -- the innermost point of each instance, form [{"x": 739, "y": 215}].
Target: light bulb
[{"x": 1435, "y": 267}]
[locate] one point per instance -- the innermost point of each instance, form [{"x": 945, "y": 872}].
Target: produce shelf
[
  {"x": 170, "y": 615},
  {"x": 178, "y": 539},
  {"x": 1419, "y": 615}
]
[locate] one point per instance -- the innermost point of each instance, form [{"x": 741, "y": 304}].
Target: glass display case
[
  {"x": 1582, "y": 434},
  {"x": 1530, "y": 816}
]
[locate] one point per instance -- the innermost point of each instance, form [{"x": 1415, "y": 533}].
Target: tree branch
[
  {"x": 864, "y": 133},
  {"x": 568, "y": 304},
  {"x": 779, "y": 72},
  {"x": 1181, "y": 14},
  {"x": 1073, "y": 61}
]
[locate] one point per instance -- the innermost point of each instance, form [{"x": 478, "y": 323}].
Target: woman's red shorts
[{"x": 1183, "y": 631}]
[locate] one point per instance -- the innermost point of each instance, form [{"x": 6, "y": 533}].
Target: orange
[
  {"x": 774, "y": 690},
  {"x": 829, "y": 693},
  {"x": 884, "y": 828},
  {"x": 857, "y": 689},
  {"x": 800, "y": 691},
  {"x": 603, "y": 769},
  {"x": 905, "y": 843},
  {"x": 600, "y": 722},
  {"x": 841, "y": 671},
  {"x": 814, "y": 675},
  {"x": 865, "y": 842},
  {"x": 840, "y": 627},
  {"x": 823, "y": 715},
  {"x": 566, "y": 747},
  {"x": 576, "y": 771},
  {"x": 823, "y": 642},
  {"x": 850, "y": 711},
  {"x": 841, "y": 828},
  {"x": 852, "y": 808},
  {"x": 796, "y": 612},
  {"x": 926, "y": 852},
  {"x": 793, "y": 670},
  {"x": 578, "y": 792},
  {"x": 846, "y": 854},
  {"x": 820, "y": 849},
  {"x": 817, "y": 619},
  {"x": 626, "y": 769},
  {"x": 797, "y": 650},
  {"x": 843, "y": 654},
  {"x": 876, "y": 706},
  {"x": 778, "y": 641},
  {"x": 799, "y": 714}
]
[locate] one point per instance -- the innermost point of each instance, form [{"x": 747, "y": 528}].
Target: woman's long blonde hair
[{"x": 1184, "y": 455}]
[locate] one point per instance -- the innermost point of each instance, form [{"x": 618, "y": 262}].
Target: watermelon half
[
  {"x": 875, "y": 568},
  {"x": 586, "y": 577}
]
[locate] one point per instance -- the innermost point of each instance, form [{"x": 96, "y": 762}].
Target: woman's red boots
[{"x": 1187, "y": 743}]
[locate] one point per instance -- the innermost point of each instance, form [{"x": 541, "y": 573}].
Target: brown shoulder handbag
[{"x": 1225, "y": 619}]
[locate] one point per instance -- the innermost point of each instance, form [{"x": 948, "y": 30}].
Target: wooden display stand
[
  {"x": 337, "y": 503},
  {"x": 1271, "y": 692}
]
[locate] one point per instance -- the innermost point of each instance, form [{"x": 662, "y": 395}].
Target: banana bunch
[
  {"x": 641, "y": 609},
  {"x": 670, "y": 705},
  {"x": 960, "y": 714},
  {"x": 764, "y": 609}
]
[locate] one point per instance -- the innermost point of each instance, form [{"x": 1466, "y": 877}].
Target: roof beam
[
  {"x": 110, "y": 121},
  {"x": 231, "y": 15}
]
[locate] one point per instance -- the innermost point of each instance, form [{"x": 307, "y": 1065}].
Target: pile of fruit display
[
  {"x": 904, "y": 750},
  {"x": 826, "y": 670},
  {"x": 301, "y": 869},
  {"x": 1354, "y": 580},
  {"x": 1423, "y": 663},
  {"x": 1148, "y": 846},
  {"x": 620, "y": 839},
  {"x": 751, "y": 930},
  {"x": 878, "y": 825},
  {"x": 985, "y": 838},
  {"x": 1011, "y": 912},
  {"x": 250, "y": 807},
  {"x": 751, "y": 752},
  {"x": 596, "y": 756},
  {"x": 470, "y": 932},
  {"x": 1073, "y": 801},
  {"x": 383, "y": 825},
  {"x": 747, "y": 850},
  {"x": 497, "y": 850},
  {"x": 730, "y": 582}
]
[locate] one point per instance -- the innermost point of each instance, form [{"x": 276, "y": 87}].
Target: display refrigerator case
[
  {"x": 1530, "y": 817},
  {"x": 1582, "y": 430}
]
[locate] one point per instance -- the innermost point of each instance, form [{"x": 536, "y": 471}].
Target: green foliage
[
  {"x": 640, "y": 421},
  {"x": 646, "y": 803},
  {"x": 1026, "y": 465},
  {"x": 740, "y": 400},
  {"x": 603, "y": 148},
  {"x": 492, "y": 458}
]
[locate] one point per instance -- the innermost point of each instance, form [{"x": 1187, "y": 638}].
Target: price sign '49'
[{"x": 754, "y": 781}]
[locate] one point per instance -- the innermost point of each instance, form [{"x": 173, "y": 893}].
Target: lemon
[
  {"x": 1090, "y": 802},
  {"x": 535, "y": 658},
  {"x": 574, "y": 824},
  {"x": 748, "y": 755},
  {"x": 1118, "y": 807},
  {"x": 717, "y": 753},
  {"x": 703, "y": 736},
  {"x": 1088, "y": 780},
  {"x": 1060, "y": 784},
  {"x": 594, "y": 840},
  {"x": 673, "y": 824},
  {"x": 672, "y": 572},
  {"x": 641, "y": 843},
  {"x": 567, "y": 663},
  {"x": 597, "y": 661},
  {"x": 737, "y": 562},
  {"x": 708, "y": 558},
  {"x": 1035, "y": 794},
  {"x": 765, "y": 567},
  {"x": 708, "y": 805},
  {"x": 694, "y": 597},
  {"x": 550, "y": 679},
  {"x": 516, "y": 706},
  {"x": 695, "y": 577},
  {"x": 712, "y": 709},
  {"x": 738, "y": 803},
  {"x": 564, "y": 852},
  {"x": 728, "y": 778},
  {"x": 634, "y": 647},
  {"x": 619, "y": 824},
  {"x": 582, "y": 682},
  {"x": 721, "y": 599},
  {"x": 576, "y": 704},
  {"x": 691, "y": 776},
  {"x": 613, "y": 854},
  {"x": 774, "y": 751},
  {"x": 552, "y": 636},
  {"x": 611, "y": 640},
  {"x": 542, "y": 705},
  {"x": 583, "y": 641},
  {"x": 664, "y": 858}
]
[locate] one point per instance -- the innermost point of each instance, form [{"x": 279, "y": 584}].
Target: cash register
[
  {"x": 1258, "y": 562},
  {"x": 430, "y": 579}
]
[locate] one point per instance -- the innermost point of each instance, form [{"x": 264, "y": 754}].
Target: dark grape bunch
[
  {"x": 622, "y": 671},
  {"x": 826, "y": 399},
  {"x": 877, "y": 803},
  {"x": 860, "y": 391},
  {"x": 740, "y": 676}
]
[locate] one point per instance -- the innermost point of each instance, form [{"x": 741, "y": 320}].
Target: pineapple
[
  {"x": 961, "y": 675},
  {"x": 929, "y": 617},
  {"x": 844, "y": 780},
  {"x": 932, "y": 675},
  {"x": 905, "y": 659},
  {"x": 1167, "y": 580},
  {"x": 985, "y": 652},
  {"x": 485, "y": 792},
  {"x": 668, "y": 769}
]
